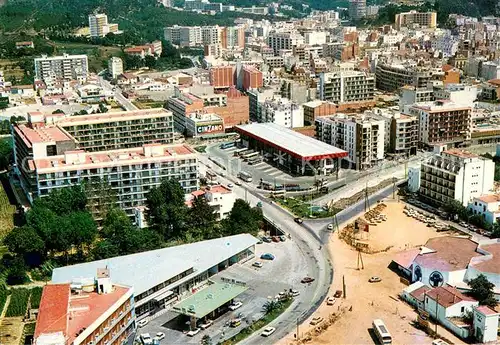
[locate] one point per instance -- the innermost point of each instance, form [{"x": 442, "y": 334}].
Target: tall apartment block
[
  {"x": 99, "y": 26},
  {"x": 252, "y": 78},
  {"x": 442, "y": 122},
  {"x": 68, "y": 67},
  {"x": 456, "y": 175},
  {"x": 346, "y": 86},
  {"x": 221, "y": 76},
  {"x": 284, "y": 40},
  {"x": 86, "y": 312},
  {"x": 115, "y": 67},
  {"x": 357, "y": 9},
  {"x": 131, "y": 150},
  {"x": 423, "y": 19},
  {"x": 185, "y": 36},
  {"x": 211, "y": 34},
  {"x": 363, "y": 137},
  {"x": 392, "y": 76},
  {"x": 403, "y": 137}
]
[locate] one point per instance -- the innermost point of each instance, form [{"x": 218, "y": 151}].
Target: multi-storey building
[
  {"x": 363, "y": 137},
  {"x": 50, "y": 136},
  {"x": 283, "y": 112},
  {"x": 442, "y": 122},
  {"x": 392, "y": 76},
  {"x": 115, "y": 67},
  {"x": 221, "y": 76},
  {"x": 99, "y": 26},
  {"x": 252, "y": 78},
  {"x": 220, "y": 197},
  {"x": 284, "y": 40},
  {"x": 347, "y": 86},
  {"x": 456, "y": 175},
  {"x": 403, "y": 137},
  {"x": 423, "y": 19},
  {"x": 78, "y": 313},
  {"x": 201, "y": 124},
  {"x": 315, "y": 109},
  {"x": 185, "y": 36},
  {"x": 410, "y": 95},
  {"x": 211, "y": 34},
  {"x": 68, "y": 67},
  {"x": 233, "y": 37},
  {"x": 357, "y": 9}
]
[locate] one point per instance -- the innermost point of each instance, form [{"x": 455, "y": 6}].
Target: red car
[
  {"x": 276, "y": 239},
  {"x": 307, "y": 280}
]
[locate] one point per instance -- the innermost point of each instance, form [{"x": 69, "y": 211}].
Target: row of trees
[{"x": 455, "y": 207}]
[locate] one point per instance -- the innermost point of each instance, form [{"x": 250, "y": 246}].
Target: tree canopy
[{"x": 482, "y": 291}]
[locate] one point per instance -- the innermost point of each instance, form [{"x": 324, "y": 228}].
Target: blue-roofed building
[{"x": 165, "y": 276}]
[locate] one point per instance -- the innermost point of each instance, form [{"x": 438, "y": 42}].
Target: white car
[
  {"x": 316, "y": 320},
  {"x": 146, "y": 339},
  {"x": 238, "y": 183},
  {"x": 160, "y": 336},
  {"x": 294, "y": 293},
  {"x": 230, "y": 185},
  {"x": 330, "y": 301},
  {"x": 439, "y": 342},
  {"x": 235, "y": 305},
  {"x": 257, "y": 264},
  {"x": 330, "y": 227},
  {"x": 142, "y": 323},
  {"x": 268, "y": 331},
  {"x": 206, "y": 324},
  {"x": 193, "y": 332}
]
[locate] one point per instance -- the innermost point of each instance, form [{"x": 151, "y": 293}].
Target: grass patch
[
  {"x": 201, "y": 149},
  {"x": 18, "y": 302},
  {"x": 3, "y": 297},
  {"x": 247, "y": 331},
  {"x": 302, "y": 208},
  {"x": 148, "y": 105},
  {"x": 36, "y": 296},
  {"x": 98, "y": 55},
  {"x": 7, "y": 212}
]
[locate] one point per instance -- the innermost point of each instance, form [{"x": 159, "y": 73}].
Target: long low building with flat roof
[
  {"x": 161, "y": 278},
  {"x": 295, "y": 152}
]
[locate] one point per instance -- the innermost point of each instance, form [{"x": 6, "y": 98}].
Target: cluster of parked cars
[
  {"x": 269, "y": 239},
  {"x": 147, "y": 340},
  {"x": 430, "y": 220}
]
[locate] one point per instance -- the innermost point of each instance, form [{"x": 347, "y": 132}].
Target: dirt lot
[
  {"x": 373, "y": 300},
  {"x": 11, "y": 329}
]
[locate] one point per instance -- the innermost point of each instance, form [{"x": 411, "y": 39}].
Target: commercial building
[
  {"x": 294, "y": 152},
  {"x": 115, "y": 67},
  {"x": 442, "y": 122},
  {"x": 219, "y": 197},
  {"x": 315, "y": 109},
  {"x": 201, "y": 124},
  {"x": 357, "y": 9},
  {"x": 88, "y": 311},
  {"x": 392, "y": 76},
  {"x": 221, "y": 77},
  {"x": 363, "y": 137},
  {"x": 456, "y": 175},
  {"x": 346, "y": 86},
  {"x": 252, "y": 78},
  {"x": 409, "y": 19},
  {"x": 67, "y": 67},
  {"x": 99, "y": 26},
  {"x": 161, "y": 278}
]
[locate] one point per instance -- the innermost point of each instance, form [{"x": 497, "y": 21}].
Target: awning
[{"x": 163, "y": 296}]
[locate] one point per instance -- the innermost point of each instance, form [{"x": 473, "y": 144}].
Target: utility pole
[
  {"x": 394, "y": 190},
  {"x": 436, "y": 315},
  {"x": 360, "y": 259},
  {"x": 298, "y": 336},
  {"x": 367, "y": 205},
  {"x": 343, "y": 286}
]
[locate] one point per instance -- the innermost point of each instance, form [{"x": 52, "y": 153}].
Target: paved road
[{"x": 124, "y": 102}]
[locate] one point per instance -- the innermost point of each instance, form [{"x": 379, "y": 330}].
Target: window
[{"x": 462, "y": 309}]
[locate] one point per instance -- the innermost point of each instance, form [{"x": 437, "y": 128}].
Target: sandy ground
[{"x": 373, "y": 300}]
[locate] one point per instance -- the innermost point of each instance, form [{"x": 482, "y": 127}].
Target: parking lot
[{"x": 263, "y": 284}]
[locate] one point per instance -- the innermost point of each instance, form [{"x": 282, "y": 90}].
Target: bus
[
  {"x": 238, "y": 152},
  {"x": 227, "y": 145},
  {"x": 250, "y": 155},
  {"x": 383, "y": 335},
  {"x": 255, "y": 160},
  {"x": 245, "y": 176}
]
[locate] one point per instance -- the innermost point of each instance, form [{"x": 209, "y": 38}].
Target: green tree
[
  {"x": 271, "y": 306},
  {"x": 150, "y": 62},
  {"x": 26, "y": 243},
  {"x": 206, "y": 340},
  {"x": 100, "y": 197},
  {"x": 104, "y": 250},
  {"x": 16, "y": 271},
  {"x": 482, "y": 291},
  {"x": 242, "y": 219},
  {"x": 166, "y": 210},
  {"x": 84, "y": 229},
  {"x": 202, "y": 220},
  {"x": 5, "y": 154},
  {"x": 64, "y": 200},
  {"x": 58, "y": 111}
]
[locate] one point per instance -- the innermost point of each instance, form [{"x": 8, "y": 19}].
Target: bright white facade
[
  {"x": 413, "y": 179},
  {"x": 221, "y": 198},
  {"x": 488, "y": 206},
  {"x": 346, "y": 86},
  {"x": 69, "y": 67},
  {"x": 485, "y": 323},
  {"x": 115, "y": 67},
  {"x": 283, "y": 112}
]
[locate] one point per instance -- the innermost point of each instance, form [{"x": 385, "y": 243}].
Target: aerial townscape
[{"x": 223, "y": 172}]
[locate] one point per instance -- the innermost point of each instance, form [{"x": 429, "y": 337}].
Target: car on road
[
  {"x": 331, "y": 301},
  {"x": 439, "y": 342},
  {"x": 298, "y": 220},
  {"x": 268, "y": 331},
  {"x": 230, "y": 185},
  {"x": 146, "y": 339},
  {"x": 142, "y": 323},
  {"x": 294, "y": 293},
  {"x": 375, "y": 279},
  {"x": 267, "y": 256},
  {"x": 207, "y": 324},
  {"x": 193, "y": 332},
  {"x": 337, "y": 294},
  {"x": 307, "y": 280},
  {"x": 235, "y": 322},
  {"x": 238, "y": 183},
  {"x": 267, "y": 239},
  {"x": 282, "y": 238},
  {"x": 160, "y": 336},
  {"x": 235, "y": 305},
  {"x": 330, "y": 226},
  {"x": 316, "y": 320},
  {"x": 257, "y": 264},
  {"x": 276, "y": 239}
]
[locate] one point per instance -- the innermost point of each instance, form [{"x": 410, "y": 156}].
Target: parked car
[
  {"x": 331, "y": 301},
  {"x": 146, "y": 339},
  {"x": 142, "y": 323},
  {"x": 316, "y": 320},
  {"x": 235, "y": 322},
  {"x": 257, "y": 264},
  {"x": 439, "y": 342},
  {"x": 282, "y": 238},
  {"x": 298, "y": 220},
  {"x": 294, "y": 293},
  {"x": 267, "y": 239},
  {"x": 276, "y": 239},
  {"x": 207, "y": 324},
  {"x": 330, "y": 226},
  {"x": 306, "y": 280},
  {"x": 235, "y": 305},
  {"x": 238, "y": 183},
  {"x": 193, "y": 332},
  {"x": 160, "y": 336},
  {"x": 267, "y": 256},
  {"x": 375, "y": 279},
  {"x": 268, "y": 331},
  {"x": 230, "y": 185}
]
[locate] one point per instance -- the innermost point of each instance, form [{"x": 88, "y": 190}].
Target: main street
[{"x": 124, "y": 102}]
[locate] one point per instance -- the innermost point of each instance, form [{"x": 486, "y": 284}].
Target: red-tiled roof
[
  {"x": 486, "y": 310},
  {"x": 491, "y": 265},
  {"x": 447, "y": 296},
  {"x": 405, "y": 258},
  {"x": 449, "y": 253},
  {"x": 53, "y": 311},
  {"x": 419, "y": 293}
]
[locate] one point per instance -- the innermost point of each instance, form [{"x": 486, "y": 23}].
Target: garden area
[
  {"x": 6, "y": 214},
  {"x": 18, "y": 304},
  {"x": 302, "y": 207}
]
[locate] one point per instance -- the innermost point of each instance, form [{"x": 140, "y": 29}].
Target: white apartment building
[
  {"x": 357, "y": 9},
  {"x": 220, "y": 197},
  {"x": 456, "y": 175},
  {"x": 115, "y": 67},
  {"x": 185, "y": 36},
  {"x": 346, "y": 86},
  {"x": 99, "y": 26},
  {"x": 211, "y": 34},
  {"x": 315, "y": 38},
  {"x": 446, "y": 44},
  {"x": 284, "y": 40},
  {"x": 363, "y": 137},
  {"x": 68, "y": 67},
  {"x": 282, "y": 111},
  {"x": 487, "y": 206},
  {"x": 2, "y": 79}
]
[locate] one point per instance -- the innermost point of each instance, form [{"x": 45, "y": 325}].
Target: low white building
[
  {"x": 487, "y": 206},
  {"x": 414, "y": 179},
  {"x": 220, "y": 197},
  {"x": 485, "y": 324}
]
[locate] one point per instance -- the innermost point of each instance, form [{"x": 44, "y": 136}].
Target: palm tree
[{"x": 271, "y": 306}]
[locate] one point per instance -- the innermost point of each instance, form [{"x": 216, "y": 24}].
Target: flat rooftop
[
  {"x": 296, "y": 144},
  {"x": 207, "y": 300},
  {"x": 112, "y": 117},
  {"x": 32, "y": 136},
  {"x": 145, "y": 270}
]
